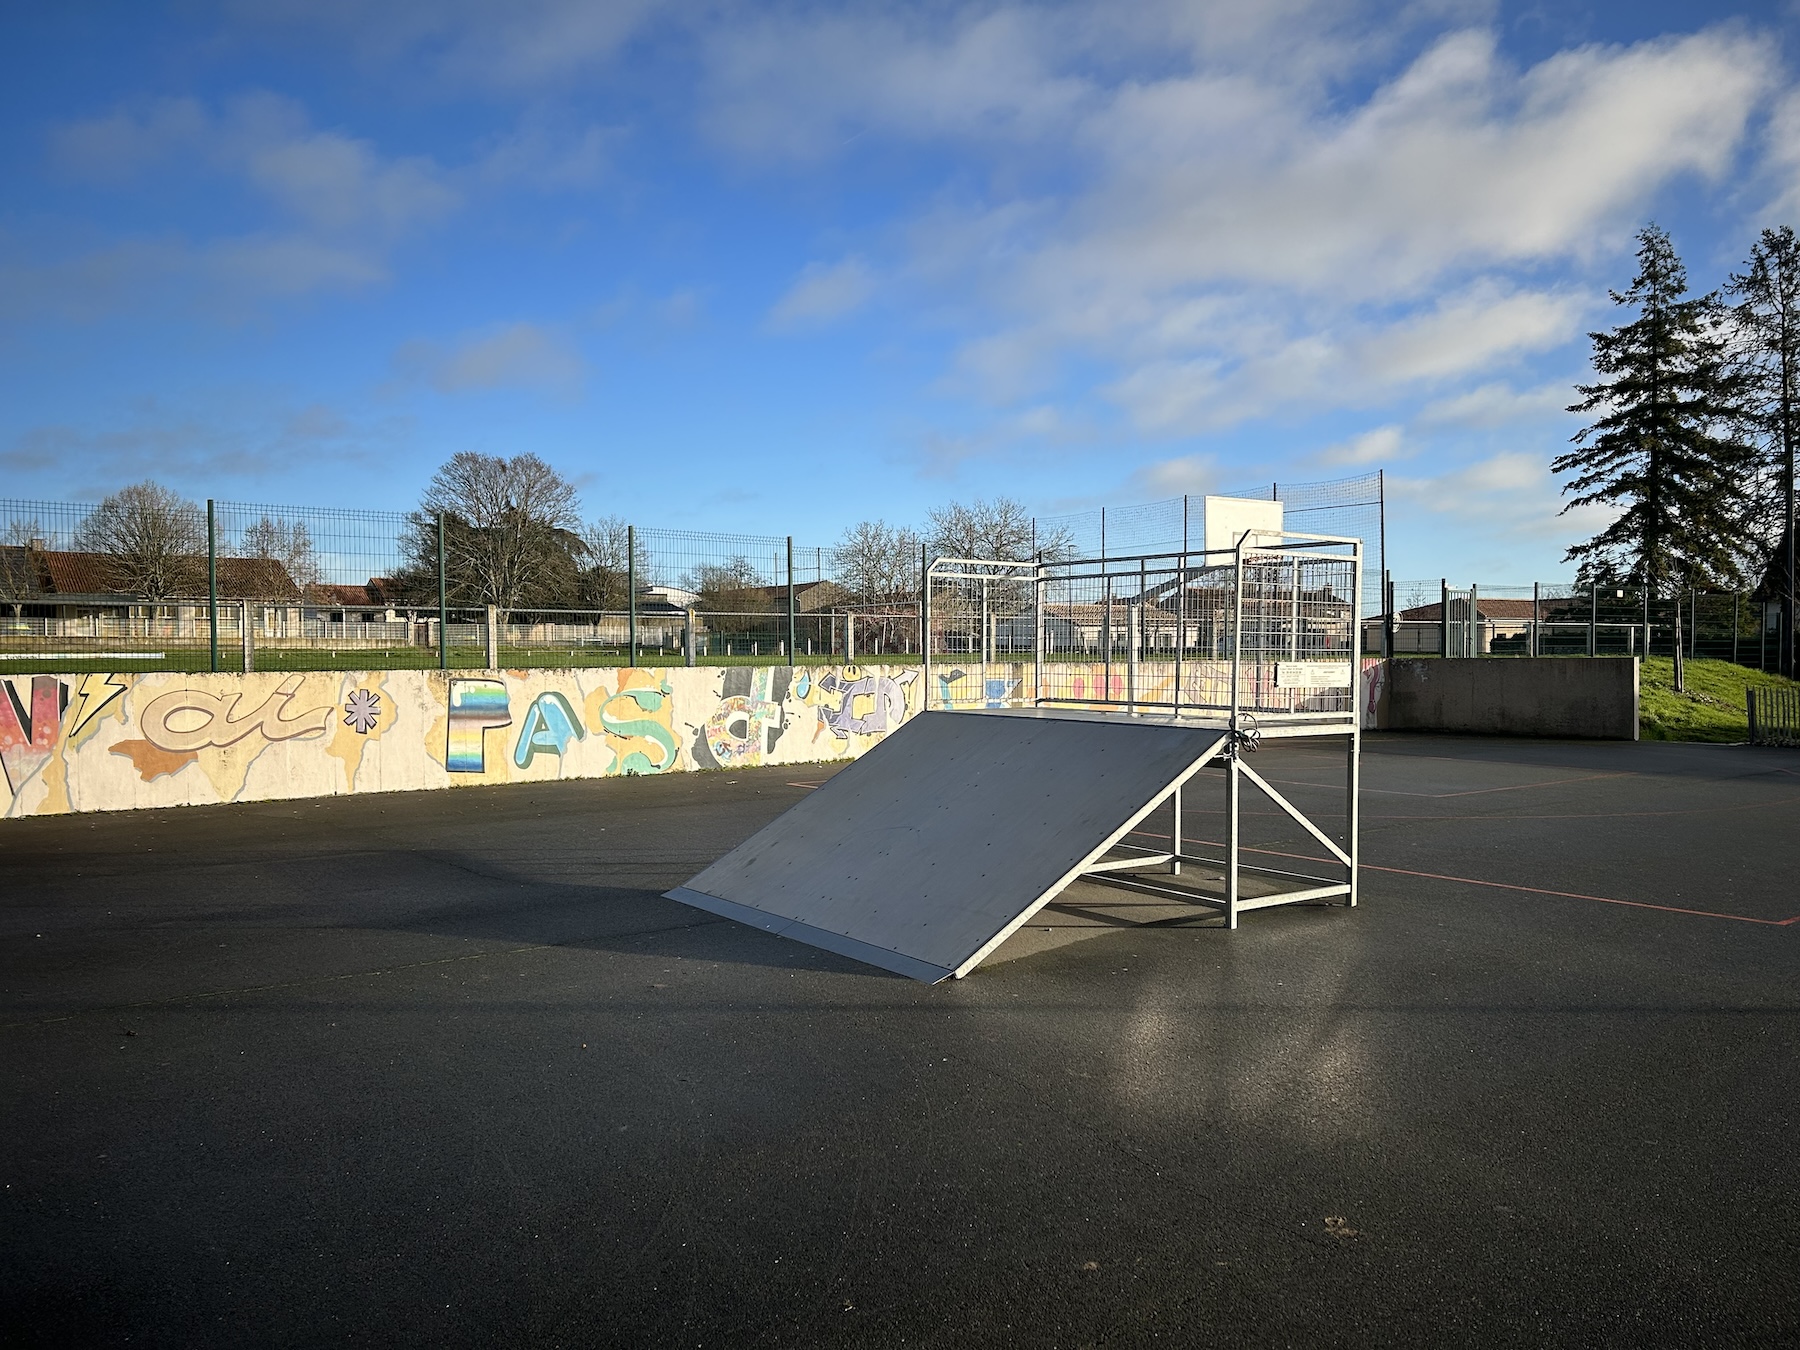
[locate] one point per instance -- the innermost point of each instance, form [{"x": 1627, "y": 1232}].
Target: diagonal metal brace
[{"x": 1293, "y": 811}]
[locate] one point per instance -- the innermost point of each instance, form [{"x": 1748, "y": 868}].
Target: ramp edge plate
[{"x": 866, "y": 952}]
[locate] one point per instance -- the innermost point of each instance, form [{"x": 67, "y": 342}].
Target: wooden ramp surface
[{"x": 924, "y": 854}]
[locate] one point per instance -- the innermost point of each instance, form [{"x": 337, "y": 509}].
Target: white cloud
[
  {"x": 321, "y": 178},
  {"x": 225, "y": 278},
  {"x": 1496, "y": 404},
  {"x": 242, "y": 435},
  {"x": 1782, "y": 139},
  {"x": 335, "y": 183},
  {"x": 1247, "y": 366},
  {"x": 823, "y": 292},
  {"x": 1380, "y": 445},
  {"x": 120, "y": 146},
  {"x": 1199, "y": 210},
  {"x": 540, "y": 153},
  {"x": 259, "y": 265},
  {"x": 805, "y": 88},
  {"x": 1192, "y": 474},
  {"x": 1512, "y": 493},
  {"x": 522, "y": 45},
  {"x": 340, "y": 207},
  {"x": 1467, "y": 332},
  {"x": 515, "y": 355}
]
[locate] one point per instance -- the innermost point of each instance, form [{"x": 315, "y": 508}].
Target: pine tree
[
  {"x": 1766, "y": 324},
  {"x": 1662, "y": 447}
]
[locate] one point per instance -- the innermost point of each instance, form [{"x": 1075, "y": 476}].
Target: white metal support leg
[
  {"x": 1232, "y": 779},
  {"x": 1175, "y": 847},
  {"x": 1352, "y": 811}
]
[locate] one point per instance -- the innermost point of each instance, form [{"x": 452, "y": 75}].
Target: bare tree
[
  {"x": 21, "y": 533},
  {"x": 999, "y": 528},
  {"x": 606, "y": 571},
  {"x": 734, "y": 584},
  {"x": 153, "y": 540},
  {"x": 21, "y": 552},
  {"x": 288, "y": 545},
  {"x": 874, "y": 561},
  {"x": 511, "y": 531}
]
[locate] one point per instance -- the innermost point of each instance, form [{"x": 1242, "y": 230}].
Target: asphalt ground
[{"x": 443, "y": 1069}]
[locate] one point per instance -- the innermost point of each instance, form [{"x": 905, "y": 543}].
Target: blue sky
[{"x": 780, "y": 268}]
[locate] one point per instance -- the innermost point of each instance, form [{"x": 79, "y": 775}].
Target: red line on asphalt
[
  {"x": 1471, "y": 792},
  {"x": 1576, "y": 895},
  {"x": 1506, "y": 886}
]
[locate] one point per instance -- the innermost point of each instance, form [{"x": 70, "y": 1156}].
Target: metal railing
[
  {"x": 1774, "y": 716},
  {"x": 1267, "y": 630}
]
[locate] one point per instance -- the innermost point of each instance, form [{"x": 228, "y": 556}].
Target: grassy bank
[{"x": 1710, "y": 709}]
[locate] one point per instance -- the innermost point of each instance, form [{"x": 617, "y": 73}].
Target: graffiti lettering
[
  {"x": 29, "y": 726},
  {"x": 187, "y": 720},
  {"x": 735, "y": 729},
  {"x": 550, "y": 724},
  {"x": 476, "y": 707},
  {"x": 626, "y": 716},
  {"x": 883, "y": 704}
]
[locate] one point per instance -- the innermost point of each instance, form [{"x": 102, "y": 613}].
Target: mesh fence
[
  {"x": 1350, "y": 508},
  {"x": 154, "y": 581},
  {"x": 1566, "y": 619}
]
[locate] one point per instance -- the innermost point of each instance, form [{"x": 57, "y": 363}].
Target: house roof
[
  {"x": 342, "y": 595},
  {"x": 374, "y": 591},
  {"x": 46, "y": 572},
  {"x": 1486, "y": 608}
]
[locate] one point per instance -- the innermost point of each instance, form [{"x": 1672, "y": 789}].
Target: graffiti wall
[{"x": 115, "y": 742}]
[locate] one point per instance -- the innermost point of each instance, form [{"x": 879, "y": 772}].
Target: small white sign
[{"x": 1313, "y": 675}]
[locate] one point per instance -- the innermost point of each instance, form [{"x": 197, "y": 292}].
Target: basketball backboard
[{"x": 1228, "y": 519}]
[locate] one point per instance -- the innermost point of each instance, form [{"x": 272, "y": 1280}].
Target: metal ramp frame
[{"x": 927, "y": 853}]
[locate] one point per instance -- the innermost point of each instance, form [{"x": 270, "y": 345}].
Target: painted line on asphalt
[{"x": 1505, "y": 885}]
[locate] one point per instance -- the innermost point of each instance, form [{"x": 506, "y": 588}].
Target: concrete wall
[
  {"x": 116, "y": 742},
  {"x": 1593, "y": 697}
]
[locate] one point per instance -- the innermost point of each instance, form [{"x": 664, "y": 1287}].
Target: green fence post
[
  {"x": 793, "y": 627},
  {"x": 443, "y": 601},
  {"x": 631, "y": 590},
  {"x": 212, "y": 584}
]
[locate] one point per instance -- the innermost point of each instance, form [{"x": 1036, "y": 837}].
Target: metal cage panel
[{"x": 1269, "y": 632}]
